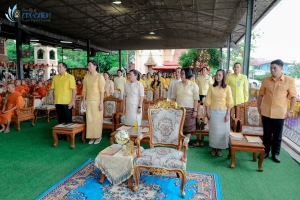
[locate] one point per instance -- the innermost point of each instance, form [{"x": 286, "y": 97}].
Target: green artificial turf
[{"x": 29, "y": 165}]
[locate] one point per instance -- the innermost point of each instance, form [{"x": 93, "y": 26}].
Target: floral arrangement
[{"x": 122, "y": 137}]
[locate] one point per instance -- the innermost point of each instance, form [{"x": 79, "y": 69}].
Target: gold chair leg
[
  {"x": 183, "y": 180},
  {"x": 136, "y": 179}
]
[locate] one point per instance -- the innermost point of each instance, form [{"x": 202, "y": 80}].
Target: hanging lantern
[
  {"x": 31, "y": 66},
  {"x": 36, "y": 66},
  {"x": 47, "y": 65},
  {"x": 52, "y": 65},
  {"x": 42, "y": 65}
]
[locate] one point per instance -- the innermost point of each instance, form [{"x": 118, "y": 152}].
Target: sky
[{"x": 280, "y": 33}]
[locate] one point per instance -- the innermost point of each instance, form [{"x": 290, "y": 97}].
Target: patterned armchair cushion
[
  {"x": 165, "y": 125},
  {"x": 107, "y": 120},
  {"x": 122, "y": 119},
  {"x": 26, "y": 102},
  {"x": 50, "y": 97},
  {"x": 164, "y": 93},
  {"x": 45, "y": 107},
  {"x": 37, "y": 103},
  {"x": 82, "y": 110},
  {"x": 150, "y": 95},
  {"x": 117, "y": 93},
  {"x": 253, "y": 130},
  {"x": 110, "y": 108},
  {"x": 253, "y": 116},
  {"x": 144, "y": 123},
  {"x": 161, "y": 157},
  {"x": 78, "y": 119}
]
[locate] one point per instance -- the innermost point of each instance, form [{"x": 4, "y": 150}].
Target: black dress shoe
[
  {"x": 266, "y": 155},
  {"x": 276, "y": 159}
]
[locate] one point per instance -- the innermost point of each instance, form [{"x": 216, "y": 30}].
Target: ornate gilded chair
[
  {"x": 112, "y": 106},
  {"x": 47, "y": 107},
  {"x": 166, "y": 120},
  {"x": 248, "y": 119}
]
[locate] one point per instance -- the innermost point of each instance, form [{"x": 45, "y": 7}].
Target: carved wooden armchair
[
  {"x": 47, "y": 107},
  {"x": 166, "y": 120},
  {"x": 111, "y": 107},
  {"x": 248, "y": 119},
  {"x": 26, "y": 113}
]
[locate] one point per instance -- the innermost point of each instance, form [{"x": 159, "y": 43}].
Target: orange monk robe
[
  {"x": 20, "y": 89},
  {"x": 42, "y": 91},
  {"x": 12, "y": 100},
  {"x": 79, "y": 89},
  {"x": 48, "y": 87},
  {"x": 32, "y": 89},
  {"x": 26, "y": 88}
]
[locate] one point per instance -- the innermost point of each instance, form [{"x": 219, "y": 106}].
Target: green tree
[
  {"x": 295, "y": 69},
  {"x": 192, "y": 57},
  {"x": 237, "y": 50},
  {"x": 27, "y": 52}
]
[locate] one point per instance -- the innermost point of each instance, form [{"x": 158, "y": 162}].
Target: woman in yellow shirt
[
  {"x": 219, "y": 103},
  {"x": 93, "y": 95},
  {"x": 157, "y": 86}
]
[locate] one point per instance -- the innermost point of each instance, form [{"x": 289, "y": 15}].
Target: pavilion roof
[{"x": 177, "y": 24}]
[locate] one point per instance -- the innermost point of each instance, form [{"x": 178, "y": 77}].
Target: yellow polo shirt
[
  {"x": 275, "y": 96},
  {"x": 63, "y": 86},
  {"x": 239, "y": 88},
  {"x": 204, "y": 82}
]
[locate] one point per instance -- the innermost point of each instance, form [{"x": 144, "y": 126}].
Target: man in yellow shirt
[
  {"x": 204, "y": 81},
  {"x": 272, "y": 105},
  {"x": 120, "y": 82},
  {"x": 64, "y": 94},
  {"x": 239, "y": 85}
]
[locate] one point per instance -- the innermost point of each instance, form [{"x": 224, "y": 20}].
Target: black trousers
[
  {"x": 64, "y": 114},
  {"x": 275, "y": 127},
  {"x": 201, "y": 98}
]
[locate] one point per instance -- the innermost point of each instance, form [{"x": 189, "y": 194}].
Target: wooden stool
[{"x": 71, "y": 130}]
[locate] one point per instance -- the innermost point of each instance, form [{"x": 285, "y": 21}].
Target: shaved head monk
[
  {"x": 13, "y": 100},
  {"x": 19, "y": 87},
  {"x": 26, "y": 87},
  {"x": 41, "y": 89}
]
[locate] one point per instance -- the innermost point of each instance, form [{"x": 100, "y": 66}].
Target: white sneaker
[
  {"x": 97, "y": 141},
  {"x": 91, "y": 141}
]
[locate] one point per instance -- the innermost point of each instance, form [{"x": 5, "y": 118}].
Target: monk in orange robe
[
  {"x": 33, "y": 86},
  {"x": 13, "y": 100},
  {"x": 41, "y": 89},
  {"x": 19, "y": 87},
  {"x": 79, "y": 87},
  {"x": 25, "y": 86},
  {"x": 47, "y": 85}
]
